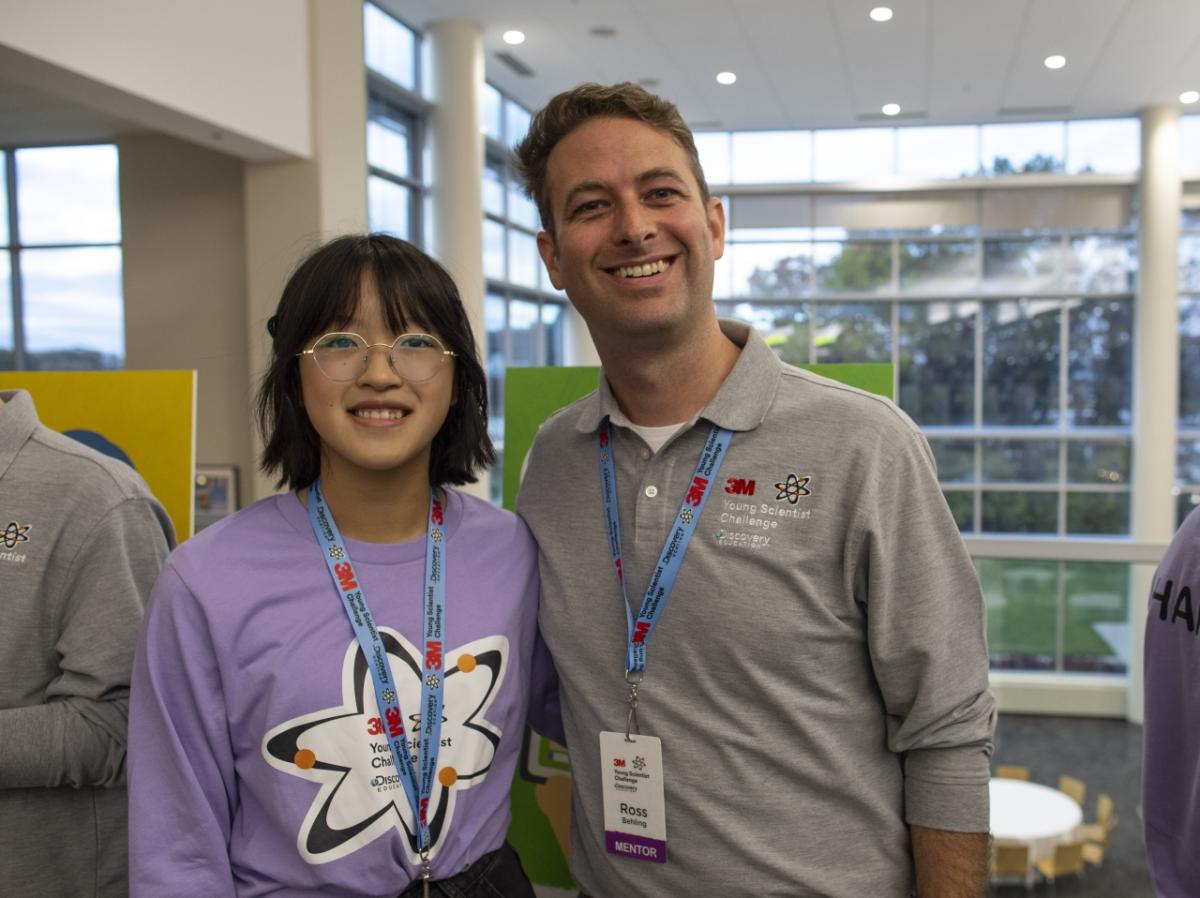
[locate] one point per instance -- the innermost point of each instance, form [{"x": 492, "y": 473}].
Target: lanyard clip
[
  {"x": 425, "y": 874},
  {"x": 634, "y": 679}
]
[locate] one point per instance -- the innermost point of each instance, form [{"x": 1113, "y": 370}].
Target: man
[
  {"x": 1171, "y": 766},
  {"x": 816, "y": 677},
  {"x": 81, "y": 545}
]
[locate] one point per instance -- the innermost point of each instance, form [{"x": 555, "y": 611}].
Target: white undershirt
[{"x": 655, "y": 437}]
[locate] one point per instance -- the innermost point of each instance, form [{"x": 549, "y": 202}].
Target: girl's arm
[{"x": 182, "y": 788}]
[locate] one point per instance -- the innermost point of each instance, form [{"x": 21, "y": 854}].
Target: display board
[
  {"x": 145, "y": 418},
  {"x": 541, "y": 794}
]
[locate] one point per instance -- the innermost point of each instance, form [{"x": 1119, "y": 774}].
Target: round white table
[{"x": 1037, "y": 815}]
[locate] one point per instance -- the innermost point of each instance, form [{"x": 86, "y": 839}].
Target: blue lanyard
[
  {"x": 337, "y": 559},
  {"x": 671, "y": 558}
]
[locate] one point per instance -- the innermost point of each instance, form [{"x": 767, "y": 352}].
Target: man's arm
[
  {"x": 925, "y": 624},
  {"x": 950, "y": 864},
  {"x": 77, "y": 736}
]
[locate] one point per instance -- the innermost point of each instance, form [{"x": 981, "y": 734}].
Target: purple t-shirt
[
  {"x": 1171, "y": 763},
  {"x": 257, "y": 761}
]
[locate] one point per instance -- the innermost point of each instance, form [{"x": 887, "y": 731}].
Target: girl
[{"x": 331, "y": 685}]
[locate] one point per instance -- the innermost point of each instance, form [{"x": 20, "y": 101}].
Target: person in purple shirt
[
  {"x": 1171, "y": 759},
  {"x": 279, "y": 743}
]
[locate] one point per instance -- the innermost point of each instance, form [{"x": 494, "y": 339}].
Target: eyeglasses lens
[{"x": 344, "y": 357}]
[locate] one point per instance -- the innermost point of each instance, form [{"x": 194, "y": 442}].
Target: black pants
[{"x": 497, "y": 874}]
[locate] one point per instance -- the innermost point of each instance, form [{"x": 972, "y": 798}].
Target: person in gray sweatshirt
[{"x": 81, "y": 543}]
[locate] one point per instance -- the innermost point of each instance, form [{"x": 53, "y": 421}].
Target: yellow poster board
[{"x": 147, "y": 416}]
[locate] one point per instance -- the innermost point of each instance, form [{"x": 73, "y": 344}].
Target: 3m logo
[
  {"x": 433, "y": 654},
  {"x": 695, "y": 493},
  {"x": 603, "y": 437},
  {"x": 395, "y": 722},
  {"x": 640, "y": 629},
  {"x": 345, "y": 575},
  {"x": 738, "y": 486},
  {"x": 437, "y": 511},
  {"x": 618, "y": 762}
]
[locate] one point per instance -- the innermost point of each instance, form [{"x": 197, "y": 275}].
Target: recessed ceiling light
[
  {"x": 726, "y": 78},
  {"x": 881, "y": 14},
  {"x": 514, "y": 37},
  {"x": 1055, "y": 62},
  {"x": 891, "y": 109},
  {"x": 1188, "y": 97}
]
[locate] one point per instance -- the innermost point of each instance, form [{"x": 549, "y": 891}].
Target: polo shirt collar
[
  {"x": 741, "y": 403},
  {"x": 18, "y": 421}
]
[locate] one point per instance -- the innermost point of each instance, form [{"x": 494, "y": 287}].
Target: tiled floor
[{"x": 1105, "y": 754}]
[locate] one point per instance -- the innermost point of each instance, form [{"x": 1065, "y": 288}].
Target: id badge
[{"x": 635, "y": 807}]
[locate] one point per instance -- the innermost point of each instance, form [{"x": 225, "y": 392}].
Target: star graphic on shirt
[
  {"x": 345, "y": 751},
  {"x": 793, "y": 488}
]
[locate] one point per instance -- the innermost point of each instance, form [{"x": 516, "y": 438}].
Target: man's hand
[{"x": 950, "y": 864}]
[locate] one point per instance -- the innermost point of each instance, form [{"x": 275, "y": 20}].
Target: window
[
  {"x": 395, "y": 126},
  {"x": 1101, "y": 146},
  {"x": 523, "y": 314},
  {"x": 1012, "y": 349},
  {"x": 60, "y": 268}
]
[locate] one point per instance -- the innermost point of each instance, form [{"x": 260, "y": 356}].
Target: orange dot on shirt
[
  {"x": 466, "y": 663},
  {"x": 304, "y": 759},
  {"x": 447, "y": 776}
]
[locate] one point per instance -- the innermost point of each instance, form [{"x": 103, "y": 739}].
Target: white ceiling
[
  {"x": 800, "y": 63},
  {"x": 824, "y": 63}
]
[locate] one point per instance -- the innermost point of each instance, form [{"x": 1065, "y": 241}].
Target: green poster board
[{"x": 541, "y": 786}]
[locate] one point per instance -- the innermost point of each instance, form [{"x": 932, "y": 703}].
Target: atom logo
[
  {"x": 603, "y": 458},
  {"x": 437, "y": 535},
  {"x": 639, "y": 763},
  {"x": 793, "y": 488},
  {"x": 432, "y": 681},
  {"x": 336, "y": 553},
  {"x": 686, "y": 516},
  {"x": 389, "y": 696},
  {"x": 15, "y": 533}
]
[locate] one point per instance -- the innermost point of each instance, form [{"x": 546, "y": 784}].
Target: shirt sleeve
[
  {"x": 926, "y": 634},
  {"x": 182, "y": 786},
  {"x": 545, "y": 713},
  {"x": 77, "y": 736}
]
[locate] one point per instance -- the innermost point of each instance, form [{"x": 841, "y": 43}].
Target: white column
[
  {"x": 1156, "y": 364},
  {"x": 293, "y": 207},
  {"x": 456, "y": 154}
]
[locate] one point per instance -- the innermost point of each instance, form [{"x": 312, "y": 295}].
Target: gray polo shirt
[{"x": 819, "y": 675}]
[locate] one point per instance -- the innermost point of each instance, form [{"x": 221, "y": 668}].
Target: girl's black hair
[{"x": 416, "y": 293}]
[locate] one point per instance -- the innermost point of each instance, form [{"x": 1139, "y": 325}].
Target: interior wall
[
  {"x": 225, "y": 73},
  {"x": 183, "y": 223}
]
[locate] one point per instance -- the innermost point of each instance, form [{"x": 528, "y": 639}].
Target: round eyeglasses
[{"x": 344, "y": 357}]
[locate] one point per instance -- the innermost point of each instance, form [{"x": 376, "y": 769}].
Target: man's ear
[
  {"x": 549, "y": 254},
  {"x": 716, "y": 225}
]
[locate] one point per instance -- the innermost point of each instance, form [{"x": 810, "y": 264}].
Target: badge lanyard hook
[{"x": 634, "y": 679}]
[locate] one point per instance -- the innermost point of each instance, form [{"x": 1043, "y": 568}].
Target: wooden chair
[
  {"x": 1105, "y": 821},
  {"x": 1077, "y": 789},
  {"x": 1067, "y": 860},
  {"x": 1099, "y": 834},
  {"x": 1011, "y": 862},
  {"x": 1012, "y": 772}
]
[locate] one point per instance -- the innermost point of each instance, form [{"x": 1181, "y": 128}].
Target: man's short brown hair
[{"x": 570, "y": 109}]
